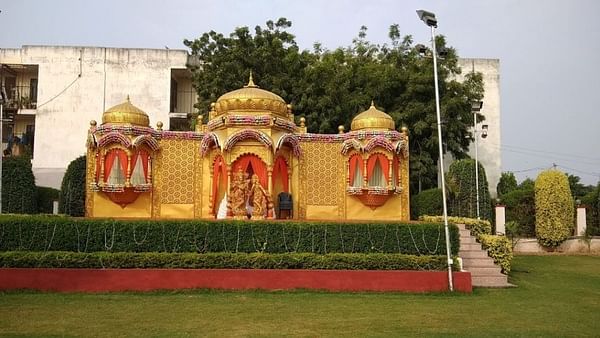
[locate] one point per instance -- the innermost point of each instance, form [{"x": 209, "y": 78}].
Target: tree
[
  {"x": 18, "y": 186},
  {"x": 71, "y": 200},
  {"x": 329, "y": 87},
  {"x": 463, "y": 196},
  {"x": 506, "y": 184},
  {"x": 553, "y": 208},
  {"x": 578, "y": 189}
]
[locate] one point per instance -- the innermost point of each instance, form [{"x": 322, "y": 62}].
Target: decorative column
[
  {"x": 390, "y": 173},
  {"x": 149, "y": 178},
  {"x": 101, "y": 178},
  {"x": 581, "y": 221},
  {"x": 500, "y": 220},
  {"x": 128, "y": 177},
  {"x": 365, "y": 180},
  {"x": 210, "y": 192},
  {"x": 270, "y": 179},
  {"x": 290, "y": 179}
]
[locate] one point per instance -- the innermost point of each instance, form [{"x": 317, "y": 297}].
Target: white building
[{"x": 53, "y": 92}]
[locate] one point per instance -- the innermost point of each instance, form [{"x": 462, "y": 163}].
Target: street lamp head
[
  {"x": 421, "y": 49},
  {"x": 427, "y": 17},
  {"x": 484, "y": 131},
  {"x": 443, "y": 52},
  {"x": 476, "y": 105}
]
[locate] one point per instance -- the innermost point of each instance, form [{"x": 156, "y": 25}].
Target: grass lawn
[{"x": 556, "y": 296}]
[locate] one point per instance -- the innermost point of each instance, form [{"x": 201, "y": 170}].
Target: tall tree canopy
[{"x": 329, "y": 87}]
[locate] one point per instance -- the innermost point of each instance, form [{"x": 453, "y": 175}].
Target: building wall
[
  {"x": 77, "y": 84},
  {"x": 489, "y": 153}
]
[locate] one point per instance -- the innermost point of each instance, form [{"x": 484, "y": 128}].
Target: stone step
[
  {"x": 484, "y": 271},
  {"x": 465, "y": 233},
  {"x": 472, "y": 254},
  {"x": 498, "y": 281},
  {"x": 467, "y": 240},
  {"x": 470, "y": 246},
  {"x": 478, "y": 262},
  {"x": 461, "y": 226}
]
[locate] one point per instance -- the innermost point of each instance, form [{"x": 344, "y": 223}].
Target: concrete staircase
[{"x": 484, "y": 273}]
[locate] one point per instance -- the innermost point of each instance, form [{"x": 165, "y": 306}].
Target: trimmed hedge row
[
  {"x": 222, "y": 260},
  {"x": 47, "y": 233},
  {"x": 477, "y": 226},
  {"x": 499, "y": 248}
]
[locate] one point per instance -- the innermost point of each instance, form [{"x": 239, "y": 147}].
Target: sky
[{"x": 548, "y": 50}]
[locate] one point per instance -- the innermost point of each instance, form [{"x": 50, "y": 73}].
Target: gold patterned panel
[
  {"x": 176, "y": 184},
  {"x": 90, "y": 178},
  {"x": 198, "y": 170},
  {"x": 322, "y": 174}
]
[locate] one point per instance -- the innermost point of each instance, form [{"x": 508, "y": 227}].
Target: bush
[
  {"x": 463, "y": 193},
  {"x": 506, "y": 184},
  {"x": 221, "y": 260},
  {"x": 592, "y": 202},
  {"x": 477, "y": 226},
  {"x": 499, "y": 248},
  {"x": 520, "y": 207},
  {"x": 45, "y": 199},
  {"x": 72, "y": 190},
  {"x": 427, "y": 202},
  {"x": 553, "y": 208},
  {"x": 46, "y": 233},
  {"x": 18, "y": 186}
]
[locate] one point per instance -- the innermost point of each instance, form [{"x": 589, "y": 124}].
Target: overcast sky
[{"x": 549, "y": 52}]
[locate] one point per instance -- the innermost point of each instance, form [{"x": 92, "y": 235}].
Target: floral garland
[
  {"x": 402, "y": 148},
  {"x": 379, "y": 141},
  {"x": 114, "y": 137},
  {"x": 207, "y": 141},
  {"x": 354, "y": 190},
  {"x": 113, "y": 188},
  {"x": 215, "y": 123},
  {"x": 237, "y": 120},
  {"x": 292, "y": 140},
  {"x": 248, "y": 133},
  {"x": 94, "y": 187},
  {"x": 151, "y": 142},
  {"x": 181, "y": 135},
  {"x": 126, "y": 129},
  {"x": 350, "y": 144},
  {"x": 142, "y": 187},
  {"x": 284, "y": 124},
  {"x": 377, "y": 191}
]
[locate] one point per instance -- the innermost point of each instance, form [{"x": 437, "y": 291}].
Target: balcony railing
[{"x": 20, "y": 97}]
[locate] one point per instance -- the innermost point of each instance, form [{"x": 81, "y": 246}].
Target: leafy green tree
[
  {"x": 463, "y": 197},
  {"x": 427, "y": 202},
  {"x": 527, "y": 183},
  {"x": 506, "y": 184},
  {"x": 329, "y": 87},
  {"x": 577, "y": 188},
  {"x": 71, "y": 200}
]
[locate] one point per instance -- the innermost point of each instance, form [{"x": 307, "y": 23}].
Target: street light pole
[
  {"x": 476, "y": 107},
  {"x": 1, "y": 145},
  {"x": 429, "y": 19}
]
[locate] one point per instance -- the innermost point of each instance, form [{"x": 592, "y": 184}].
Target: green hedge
[
  {"x": 222, "y": 260},
  {"x": 462, "y": 192},
  {"x": 45, "y": 199},
  {"x": 427, "y": 202},
  {"x": 72, "y": 189},
  {"x": 520, "y": 207},
  {"x": 477, "y": 226},
  {"x": 18, "y": 186},
  {"x": 499, "y": 248},
  {"x": 53, "y": 233}
]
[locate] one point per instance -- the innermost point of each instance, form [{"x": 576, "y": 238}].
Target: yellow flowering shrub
[{"x": 553, "y": 208}]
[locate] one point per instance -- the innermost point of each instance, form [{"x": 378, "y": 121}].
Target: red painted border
[{"x": 98, "y": 280}]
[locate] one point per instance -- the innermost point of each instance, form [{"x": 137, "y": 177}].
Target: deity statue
[
  {"x": 259, "y": 198},
  {"x": 239, "y": 195}
]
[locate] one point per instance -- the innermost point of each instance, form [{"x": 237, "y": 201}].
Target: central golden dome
[
  {"x": 126, "y": 113},
  {"x": 251, "y": 98},
  {"x": 372, "y": 118}
]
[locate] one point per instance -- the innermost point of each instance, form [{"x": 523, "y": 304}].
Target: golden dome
[
  {"x": 251, "y": 98},
  {"x": 126, "y": 113},
  {"x": 372, "y": 118}
]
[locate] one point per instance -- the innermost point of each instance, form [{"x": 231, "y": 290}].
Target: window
[{"x": 377, "y": 178}]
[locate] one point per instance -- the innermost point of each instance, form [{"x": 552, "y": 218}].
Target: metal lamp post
[
  {"x": 475, "y": 108},
  {"x": 429, "y": 19}
]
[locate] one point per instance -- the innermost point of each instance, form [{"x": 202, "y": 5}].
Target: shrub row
[
  {"x": 48, "y": 233},
  {"x": 222, "y": 260},
  {"x": 477, "y": 226},
  {"x": 499, "y": 248}
]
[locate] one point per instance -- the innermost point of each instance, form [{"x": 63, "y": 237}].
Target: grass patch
[{"x": 556, "y": 296}]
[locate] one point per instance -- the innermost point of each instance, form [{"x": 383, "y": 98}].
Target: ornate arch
[
  {"x": 246, "y": 134},
  {"x": 114, "y": 137},
  {"x": 350, "y": 144},
  {"x": 379, "y": 141},
  {"x": 147, "y": 140},
  {"x": 292, "y": 141},
  {"x": 207, "y": 142}
]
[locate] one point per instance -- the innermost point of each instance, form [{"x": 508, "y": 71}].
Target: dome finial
[
  {"x": 128, "y": 99},
  {"x": 250, "y": 82},
  {"x": 372, "y": 103}
]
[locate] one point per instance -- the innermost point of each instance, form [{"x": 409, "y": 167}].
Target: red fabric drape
[
  {"x": 280, "y": 171},
  {"x": 355, "y": 160},
  {"x": 219, "y": 173},
  {"x": 383, "y": 161},
  {"x": 258, "y": 167},
  {"x": 109, "y": 160},
  {"x": 395, "y": 169}
]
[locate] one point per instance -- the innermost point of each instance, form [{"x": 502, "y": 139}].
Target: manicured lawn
[{"x": 556, "y": 296}]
